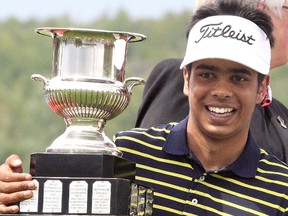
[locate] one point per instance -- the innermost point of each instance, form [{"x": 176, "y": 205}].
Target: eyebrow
[
  {"x": 215, "y": 68},
  {"x": 207, "y": 67}
]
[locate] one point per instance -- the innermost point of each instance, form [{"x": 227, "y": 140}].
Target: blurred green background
[{"x": 27, "y": 123}]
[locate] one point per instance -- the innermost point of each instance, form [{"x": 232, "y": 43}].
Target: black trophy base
[
  {"x": 85, "y": 184},
  {"x": 84, "y": 165},
  {"x": 88, "y": 196}
]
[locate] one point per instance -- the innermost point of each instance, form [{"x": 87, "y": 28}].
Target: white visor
[{"x": 232, "y": 38}]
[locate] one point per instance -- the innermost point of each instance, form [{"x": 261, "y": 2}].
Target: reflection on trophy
[{"x": 82, "y": 172}]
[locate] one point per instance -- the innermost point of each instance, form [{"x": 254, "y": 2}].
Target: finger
[
  {"x": 7, "y": 175},
  {"x": 12, "y": 187},
  {"x": 10, "y": 199},
  {"x": 14, "y": 163},
  {"x": 9, "y": 170},
  {"x": 8, "y": 209}
]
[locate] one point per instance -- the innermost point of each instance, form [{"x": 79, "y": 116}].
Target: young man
[
  {"x": 208, "y": 164},
  {"x": 269, "y": 125}
]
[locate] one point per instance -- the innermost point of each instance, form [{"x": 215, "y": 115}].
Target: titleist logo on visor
[{"x": 225, "y": 31}]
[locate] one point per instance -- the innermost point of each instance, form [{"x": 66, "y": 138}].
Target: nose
[{"x": 222, "y": 89}]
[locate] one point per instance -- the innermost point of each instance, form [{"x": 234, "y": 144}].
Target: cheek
[
  {"x": 253, "y": 99},
  {"x": 196, "y": 94}
]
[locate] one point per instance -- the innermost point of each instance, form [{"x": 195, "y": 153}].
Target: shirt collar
[
  {"x": 176, "y": 142},
  {"x": 245, "y": 166}
]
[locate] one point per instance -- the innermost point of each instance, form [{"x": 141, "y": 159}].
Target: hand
[{"x": 15, "y": 186}]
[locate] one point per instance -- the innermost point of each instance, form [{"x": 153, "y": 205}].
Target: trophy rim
[{"x": 52, "y": 31}]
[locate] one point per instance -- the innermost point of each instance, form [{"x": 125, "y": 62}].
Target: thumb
[{"x": 14, "y": 163}]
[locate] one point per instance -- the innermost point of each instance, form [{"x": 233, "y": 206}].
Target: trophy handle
[
  {"x": 39, "y": 77},
  {"x": 135, "y": 81}
]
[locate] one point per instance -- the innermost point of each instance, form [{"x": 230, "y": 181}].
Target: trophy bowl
[{"x": 88, "y": 85}]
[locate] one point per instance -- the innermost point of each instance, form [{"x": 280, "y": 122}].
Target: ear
[
  {"x": 186, "y": 81},
  {"x": 262, "y": 89}
]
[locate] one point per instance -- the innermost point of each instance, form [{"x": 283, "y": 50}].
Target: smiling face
[{"x": 222, "y": 96}]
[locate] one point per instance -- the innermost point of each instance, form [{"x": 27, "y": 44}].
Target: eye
[
  {"x": 239, "y": 78},
  {"x": 207, "y": 75}
]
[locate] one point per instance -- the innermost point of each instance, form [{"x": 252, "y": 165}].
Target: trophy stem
[{"x": 84, "y": 135}]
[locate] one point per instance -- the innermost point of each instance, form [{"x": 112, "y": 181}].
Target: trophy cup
[{"x": 82, "y": 172}]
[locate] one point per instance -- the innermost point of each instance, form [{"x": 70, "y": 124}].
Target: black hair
[{"x": 235, "y": 8}]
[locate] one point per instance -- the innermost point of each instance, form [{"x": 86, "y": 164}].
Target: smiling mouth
[{"x": 221, "y": 112}]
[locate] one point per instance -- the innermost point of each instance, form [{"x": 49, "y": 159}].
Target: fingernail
[
  {"x": 28, "y": 177},
  {"x": 17, "y": 162},
  {"x": 31, "y": 185},
  {"x": 14, "y": 209},
  {"x": 27, "y": 194}
]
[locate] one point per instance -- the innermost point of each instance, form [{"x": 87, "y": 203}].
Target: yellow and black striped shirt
[{"x": 255, "y": 184}]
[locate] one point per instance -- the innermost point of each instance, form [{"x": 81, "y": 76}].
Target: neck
[{"x": 215, "y": 153}]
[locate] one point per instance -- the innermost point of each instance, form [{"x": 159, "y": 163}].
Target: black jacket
[{"x": 164, "y": 102}]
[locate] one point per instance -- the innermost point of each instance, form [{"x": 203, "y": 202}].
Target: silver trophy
[
  {"x": 88, "y": 86},
  {"x": 82, "y": 172}
]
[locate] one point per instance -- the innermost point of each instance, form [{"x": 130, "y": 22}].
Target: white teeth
[{"x": 220, "y": 110}]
